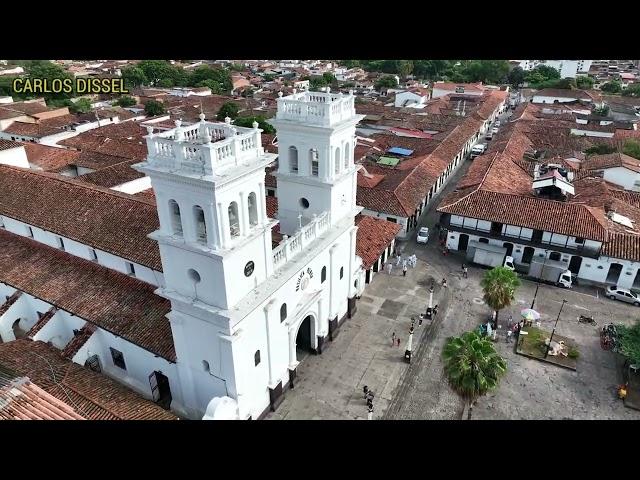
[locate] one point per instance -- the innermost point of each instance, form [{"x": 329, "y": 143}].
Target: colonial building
[{"x": 183, "y": 296}]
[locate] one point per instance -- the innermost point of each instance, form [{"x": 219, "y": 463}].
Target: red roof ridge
[
  {"x": 477, "y": 187},
  {"x": 75, "y": 181}
]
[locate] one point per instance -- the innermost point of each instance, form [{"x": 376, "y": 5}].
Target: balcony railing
[
  {"x": 292, "y": 246},
  {"x": 591, "y": 252},
  {"x": 204, "y": 147},
  {"x": 322, "y": 109}
]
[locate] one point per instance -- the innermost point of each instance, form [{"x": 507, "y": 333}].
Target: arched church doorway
[
  {"x": 615, "y": 269},
  {"x": 304, "y": 344}
]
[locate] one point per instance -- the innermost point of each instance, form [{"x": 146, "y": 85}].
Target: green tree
[
  {"x": 217, "y": 79},
  {"x": 516, "y": 77},
  {"x": 632, "y": 90},
  {"x": 472, "y": 365},
  {"x": 126, "y": 101},
  {"x": 600, "y": 149},
  {"x": 486, "y": 71},
  {"x": 156, "y": 71},
  {"x": 248, "y": 122},
  {"x": 154, "y": 108},
  {"x": 329, "y": 78},
  {"x": 268, "y": 77},
  {"x": 386, "y": 81},
  {"x": 611, "y": 87},
  {"x": 603, "y": 111},
  {"x": 584, "y": 82},
  {"x": 499, "y": 285},
  {"x": 629, "y": 342},
  {"x": 48, "y": 71},
  {"x": 541, "y": 74},
  {"x": 133, "y": 77},
  {"x": 632, "y": 148},
  {"x": 404, "y": 68},
  {"x": 316, "y": 83},
  {"x": 228, "y": 109},
  {"x": 83, "y": 105}
]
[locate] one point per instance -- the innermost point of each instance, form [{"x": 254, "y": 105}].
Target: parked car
[
  {"x": 494, "y": 130},
  {"x": 622, "y": 294},
  {"x": 489, "y": 135},
  {"x": 478, "y": 150},
  {"x": 423, "y": 235},
  {"x": 497, "y": 124}
]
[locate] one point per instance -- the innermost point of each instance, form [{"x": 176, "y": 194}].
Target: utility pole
[
  {"x": 554, "y": 328},
  {"x": 538, "y": 283}
]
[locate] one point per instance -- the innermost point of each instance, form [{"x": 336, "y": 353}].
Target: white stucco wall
[{"x": 16, "y": 157}]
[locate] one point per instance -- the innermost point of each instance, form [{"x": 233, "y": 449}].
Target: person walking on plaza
[
  {"x": 509, "y": 333},
  {"x": 444, "y": 282},
  {"x": 398, "y": 341},
  {"x": 365, "y": 389},
  {"x": 404, "y": 270},
  {"x": 465, "y": 272},
  {"x": 398, "y": 260},
  {"x": 393, "y": 339},
  {"x": 435, "y": 310},
  {"x": 389, "y": 267}
]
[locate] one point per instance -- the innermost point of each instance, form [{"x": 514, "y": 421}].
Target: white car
[
  {"x": 478, "y": 150},
  {"x": 497, "y": 124},
  {"x": 494, "y": 130},
  {"x": 622, "y": 294},
  {"x": 423, "y": 235}
]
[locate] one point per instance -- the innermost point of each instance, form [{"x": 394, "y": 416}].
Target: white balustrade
[
  {"x": 290, "y": 247},
  {"x": 229, "y": 146},
  {"x": 316, "y": 108}
]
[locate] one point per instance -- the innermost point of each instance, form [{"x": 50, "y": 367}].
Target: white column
[
  {"x": 244, "y": 215},
  {"x": 213, "y": 230},
  {"x": 268, "y": 308},
  {"x": 331, "y": 280},
  {"x": 352, "y": 261},
  {"x": 292, "y": 349},
  {"x": 262, "y": 206},
  {"x": 223, "y": 225}
]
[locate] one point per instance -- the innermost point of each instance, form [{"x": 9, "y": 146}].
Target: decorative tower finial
[
  {"x": 201, "y": 116},
  {"x": 328, "y": 89},
  {"x": 178, "y": 136},
  {"x": 280, "y": 94},
  {"x": 255, "y": 125},
  {"x": 150, "y": 131},
  {"x": 227, "y": 120},
  {"x": 351, "y": 92},
  {"x": 295, "y": 91}
]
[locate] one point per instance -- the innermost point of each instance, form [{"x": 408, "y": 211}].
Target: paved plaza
[{"x": 329, "y": 386}]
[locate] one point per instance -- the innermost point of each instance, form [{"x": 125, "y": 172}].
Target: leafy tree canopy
[
  {"x": 248, "y": 122},
  {"x": 125, "y": 101},
  {"x": 611, "y": 87},
  {"x": 632, "y": 148},
  {"x": 386, "y": 81},
  {"x": 632, "y": 90},
  {"x": 154, "y": 108},
  {"x": 83, "y": 105},
  {"x": 228, "y": 109},
  {"x": 629, "y": 342},
  {"x": 499, "y": 285},
  {"x": 600, "y": 149}
]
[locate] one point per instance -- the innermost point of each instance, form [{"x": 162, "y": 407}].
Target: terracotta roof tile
[
  {"x": 373, "y": 236},
  {"x": 116, "y": 302},
  {"x": 49, "y": 158},
  {"x": 92, "y": 395},
  {"x": 104, "y": 219},
  {"x": 8, "y": 144},
  {"x": 112, "y": 176}
]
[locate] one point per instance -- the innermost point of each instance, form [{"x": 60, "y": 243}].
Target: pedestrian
[
  {"x": 366, "y": 391},
  {"x": 509, "y": 333},
  {"x": 444, "y": 282},
  {"x": 370, "y": 396},
  {"x": 435, "y": 310},
  {"x": 398, "y": 260},
  {"x": 510, "y": 322},
  {"x": 411, "y": 330},
  {"x": 370, "y": 412},
  {"x": 398, "y": 340},
  {"x": 393, "y": 339},
  {"x": 464, "y": 272},
  {"x": 404, "y": 262},
  {"x": 404, "y": 270},
  {"x": 389, "y": 267}
]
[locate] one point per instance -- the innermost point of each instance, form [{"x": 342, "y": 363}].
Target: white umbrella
[{"x": 530, "y": 314}]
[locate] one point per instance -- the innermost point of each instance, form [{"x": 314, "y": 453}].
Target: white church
[{"x": 240, "y": 310}]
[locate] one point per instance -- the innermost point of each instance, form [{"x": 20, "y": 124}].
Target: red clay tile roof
[
  {"x": 272, "y": 207},
  {"x": 49, "y": 158},
  {"x": 10, "y": 301},
  {"x": 119, "y": 139},
  {"x": 42, "y": 321},
  {"x": 20, "y": 399},
  {"x": 111, "y": 221},
  {"x": 563, "y": 93},
  {"x": 76, "y": 343},
  {"x": 112, "y": 176},
  {"x": 8, "y": 144},
  {"x": 92, "y": 395},
  {"x": 373, "y": 236},
  {"x": 118, "y": 303},
  {"x": 610, "y": 160},
  {"x": 624, "y": 246},
  {"x": 42, "y": 128}
]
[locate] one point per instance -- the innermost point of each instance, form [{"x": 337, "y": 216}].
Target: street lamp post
[
  {"x": 554, "y": 329},
  {"x": 541, "y": 276},
  {"x": 407, "y": 352}
]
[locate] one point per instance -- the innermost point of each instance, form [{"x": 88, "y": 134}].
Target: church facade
[{"x": 243, "y": 312}]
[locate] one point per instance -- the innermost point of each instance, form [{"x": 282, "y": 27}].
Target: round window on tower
[
  {"x": 194, "y": 276},
  {"x": 304, "y": 203}
]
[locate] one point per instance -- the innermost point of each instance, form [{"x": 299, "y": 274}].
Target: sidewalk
[{"x": 330, "y": 386}]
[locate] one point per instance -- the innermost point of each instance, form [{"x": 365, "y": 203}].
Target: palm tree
[
  {"x": 499, "y": 285},
  {"x": 472, "y": 365}
]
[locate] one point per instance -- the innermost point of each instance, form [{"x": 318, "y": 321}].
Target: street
[{"x": 330, "y": 385}]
